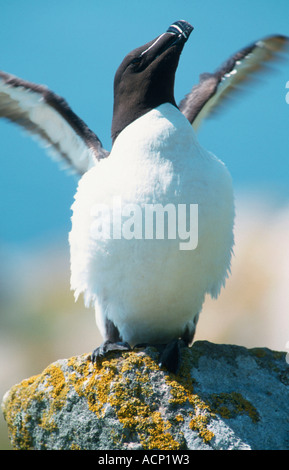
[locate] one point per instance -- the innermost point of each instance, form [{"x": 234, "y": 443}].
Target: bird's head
[{"x": 145, "y": 78}]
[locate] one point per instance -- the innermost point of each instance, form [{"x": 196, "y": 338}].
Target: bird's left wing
[
  {"x": 208, "y": 94},
  {"x": 47, "y": 116}
]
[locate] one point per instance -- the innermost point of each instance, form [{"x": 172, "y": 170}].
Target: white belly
[{"x": 150, "y": 288}]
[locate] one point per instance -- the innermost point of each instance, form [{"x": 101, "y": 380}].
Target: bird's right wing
[
  {"x": 209, "y": 93},
  {"x": 47, "y": 116}
]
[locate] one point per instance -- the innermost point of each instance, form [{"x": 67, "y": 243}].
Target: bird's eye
[{"x": 136, "y": 60}]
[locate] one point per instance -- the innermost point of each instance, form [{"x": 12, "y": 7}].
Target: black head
[{"x": 145, "y": 79}]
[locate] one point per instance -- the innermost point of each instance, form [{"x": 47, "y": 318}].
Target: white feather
[
  {"x": 55, "y": 133},
  {"x": 151, "y": 289}
]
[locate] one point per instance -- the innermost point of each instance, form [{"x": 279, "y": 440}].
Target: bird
[{"x": 147, "y": 283}]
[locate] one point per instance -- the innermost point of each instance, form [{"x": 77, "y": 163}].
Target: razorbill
[{"x": 147, "y": 284}]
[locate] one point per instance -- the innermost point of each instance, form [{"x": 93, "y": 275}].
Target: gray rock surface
[{"x": 224, "y": 397}]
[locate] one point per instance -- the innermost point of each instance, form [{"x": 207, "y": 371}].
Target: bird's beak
[{"x": 181, "y": 29}]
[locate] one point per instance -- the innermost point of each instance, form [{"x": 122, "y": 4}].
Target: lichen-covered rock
[{"x": 224, "y": 397}]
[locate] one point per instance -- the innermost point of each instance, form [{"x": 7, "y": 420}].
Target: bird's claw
[{"x": 108, "y": 346}]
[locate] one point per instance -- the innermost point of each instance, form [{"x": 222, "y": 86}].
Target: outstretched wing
[
  {"x": 48, "y": 116},
  {"x": 214, "y": 87}
]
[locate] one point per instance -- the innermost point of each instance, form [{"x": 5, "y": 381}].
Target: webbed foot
[
  {"x": 170, "y": 357},
  {"x": 169, "y": 354},
  {"x": 108, "y": 346}
]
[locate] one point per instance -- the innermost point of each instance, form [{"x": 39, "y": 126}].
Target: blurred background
[{"x": 75, "y": 48}]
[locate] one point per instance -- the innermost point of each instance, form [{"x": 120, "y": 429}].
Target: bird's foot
[
  {"x": 170, "y": 357},
  {"x": 108, "y": 346},
  {"x": 169, "y": 354},
  {"x": 141, "y": 346}
]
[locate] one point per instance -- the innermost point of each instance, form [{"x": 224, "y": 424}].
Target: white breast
[{"x": 150, "y": 288}]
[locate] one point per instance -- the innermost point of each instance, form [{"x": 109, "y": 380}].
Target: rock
[{"x": 224, "y": 397}]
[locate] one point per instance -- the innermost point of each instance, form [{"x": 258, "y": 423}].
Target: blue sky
[{"x": 75, "y": 47}]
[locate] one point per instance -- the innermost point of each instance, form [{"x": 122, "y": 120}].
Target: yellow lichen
[
  {"x": 20, "y": 397},
  {"x": 182, "y": 391},
  {"x": 95, "y": 385},
  {"x": 227, "y": 405},
  {"x": 75, "y": 447},
  {"x": 110, "y": 383},
  {"x": 124, "y": 384},
  {"x": 55, "y": 383},
  {"x": 199, "y": 423},
  {"x": 179, "y": 418}
]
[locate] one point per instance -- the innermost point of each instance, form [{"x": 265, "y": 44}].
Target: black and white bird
[{"x": 145, "y": 289}]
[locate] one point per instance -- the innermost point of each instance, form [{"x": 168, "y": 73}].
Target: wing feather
[
  {"x": 49, "y": 118},
  {"x": 213, "y": 88}
]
